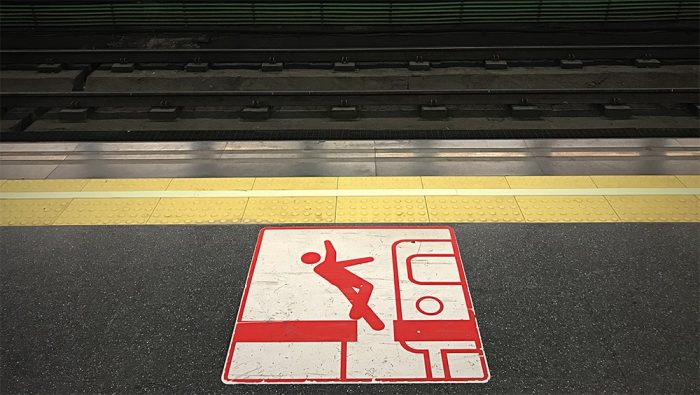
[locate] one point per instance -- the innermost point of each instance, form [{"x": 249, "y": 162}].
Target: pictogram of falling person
[{"x": 356, "y": 289}]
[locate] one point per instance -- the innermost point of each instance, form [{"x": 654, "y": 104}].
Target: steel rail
[
  {"x": 384, "y": 54},
  {"x": 369, "y": 97}
]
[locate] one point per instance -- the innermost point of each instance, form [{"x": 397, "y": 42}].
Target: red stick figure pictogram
[{"x": 355, "y": 288}]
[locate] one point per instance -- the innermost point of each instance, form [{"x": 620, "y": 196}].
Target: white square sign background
[{"x": 300, "y": 324}]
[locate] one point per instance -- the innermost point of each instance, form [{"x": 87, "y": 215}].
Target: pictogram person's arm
[
  {"x": 330, "y": 252},
  {"x": 353, "y": 262}
]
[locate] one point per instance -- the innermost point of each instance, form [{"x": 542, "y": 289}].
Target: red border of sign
[{"x": 343, "y": 379}]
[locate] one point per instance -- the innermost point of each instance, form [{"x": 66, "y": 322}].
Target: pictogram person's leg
[
  {"x": 361, "y": 302},
  {"x": 372, "y": 320}
]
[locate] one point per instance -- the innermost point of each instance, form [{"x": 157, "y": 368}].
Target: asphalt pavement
[{"x": 150, "y": 309}]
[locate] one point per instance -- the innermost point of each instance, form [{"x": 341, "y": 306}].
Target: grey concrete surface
[
  {"x": 581, "y": 167},
  {"x": 284, "y": 168},
  {"x": 368, "y": 125},
  {"x": 221, "y": 80},
  {"x": 26, "y": 170},
  {"x": 556, "y": 78},
  {"x": 437, "y": 167},
  {"x": 437, "y": 78},
  {"x": 562, "y": 308},
  {"x": 350, "y": 158},
  {"x": 32, "y": 81}
]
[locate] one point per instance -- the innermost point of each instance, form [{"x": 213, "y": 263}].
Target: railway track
[
  {"x": 472, "y": 113},
  {"x": 106, "y": 105},
  {"x": 416, "y": 57},
  {"x": 356, "y": 97}
]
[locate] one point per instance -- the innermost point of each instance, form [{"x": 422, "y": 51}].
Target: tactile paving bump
[
  {"x": 287, "y": 183},
  {"x": 381, "y": 209},
  {"x": 198, "y": 211},
  {"x": 380, "y": 183},
  {"x": 127, "y": 184},
  {"x": 31, "y": 211},
  {"x": 43, "y": 185},
  {"x": 464, "y": 182},
  {"x": 107, "y": 211},
  {"x": 656, "y": 208},
  {"x": 211, "y": 184},
  {"x": 553, "y": 182},
  {"x": 566, "y": 209},
  {"x": 290, "y": 210},
  {"x": 637, "y": 182},
  {"x": 473, "y": 209}
]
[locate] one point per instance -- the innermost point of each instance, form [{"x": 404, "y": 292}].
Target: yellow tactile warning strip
[
  {"x": 198, "y": 211},
  {"x": 656, "y": 208},
  {"x": 473, "y": 209},
  {"x": 290, "y": 210},
  {"x": 107, "y": 211},
  {"x": 350, "y": 200},
  {"x": 566, "y": 209},
  {"x": 31, "y": 212},
  {"x": 359, "y": 209}
]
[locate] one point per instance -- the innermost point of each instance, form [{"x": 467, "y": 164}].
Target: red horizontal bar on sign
[
  {"x": 296, "y": 331},
  {"x": 435, "y": 330}
]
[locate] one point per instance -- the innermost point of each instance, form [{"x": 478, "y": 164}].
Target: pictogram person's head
[{"x": 311, "y": 258}]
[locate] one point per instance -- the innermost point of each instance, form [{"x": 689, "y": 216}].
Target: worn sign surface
[{"x": 356, "y": 304}]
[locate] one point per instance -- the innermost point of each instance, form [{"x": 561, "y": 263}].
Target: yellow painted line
[
  {"x": 357, "y": 183},
  {"x": 351, "y": 192}
]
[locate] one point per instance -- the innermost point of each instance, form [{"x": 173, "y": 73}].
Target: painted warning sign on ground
[{"x": 356, "y": 304}]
